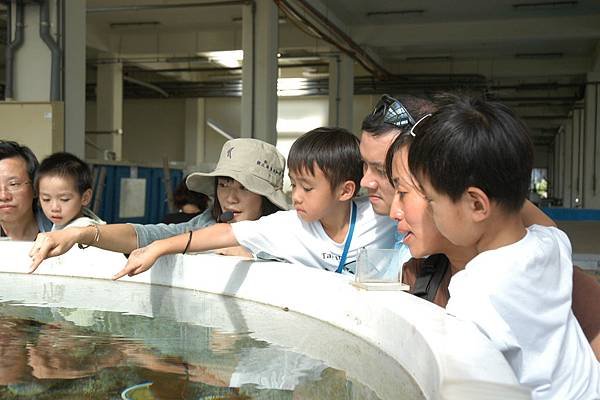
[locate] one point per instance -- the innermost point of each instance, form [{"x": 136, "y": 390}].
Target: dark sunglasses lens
[
  {"x": 392, "y": 112},
  {"x": 380, "y": 109},
  {"x": 397, "y": 115}
]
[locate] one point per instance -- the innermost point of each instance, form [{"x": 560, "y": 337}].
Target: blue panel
[
  {"x": 156, "y": 203},
  {"x": 572, "y": 214}
]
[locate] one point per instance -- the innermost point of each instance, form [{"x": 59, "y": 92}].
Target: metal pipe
[
  {"x": 354, "y": 51},
  {"x": 148, "y": 7},
  {"x": 54, "y": 50},
  {"x": 219, "y": 130},
  {"x": 14, "y": 45},
  {"x": 146, "y": 84}
]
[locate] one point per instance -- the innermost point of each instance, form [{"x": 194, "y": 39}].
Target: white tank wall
[{"x": 448, "y": 359}]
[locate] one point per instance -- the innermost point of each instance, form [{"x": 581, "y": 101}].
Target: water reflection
[
  {"x": 60, "y": 353},
  {"x": 71, "y": 338}
]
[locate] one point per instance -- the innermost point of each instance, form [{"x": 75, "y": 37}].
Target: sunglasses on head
[{"x": 393, "y": 112}]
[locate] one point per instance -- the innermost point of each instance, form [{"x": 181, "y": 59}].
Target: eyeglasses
[
  {"x": 412, "y": 130},
  {"x": 393, "y": 112},
  {"x": 14, "y": 186}
]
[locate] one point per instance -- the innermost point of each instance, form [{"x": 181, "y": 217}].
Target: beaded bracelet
[
  {"x": 187, "y": 246},
  {"x": 94, "y": 241}
]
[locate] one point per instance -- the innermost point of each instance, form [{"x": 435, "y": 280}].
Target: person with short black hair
[
  {"x": 436, "y": 259},
  {"x": 64, "y": 186},
  {"x": 473, "y": 159},
  {"x": 189, "y": 204},
  {"x": 326, "y": 229},
  {"x": 391, "y": 117},
  {"x": 20, "y": 216}
]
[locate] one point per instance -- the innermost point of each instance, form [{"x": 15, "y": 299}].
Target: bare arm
[
  {"x": 531, "y": 215},
  {"x": 210, "y": 238},
  {"x": 115, "y": 237}
]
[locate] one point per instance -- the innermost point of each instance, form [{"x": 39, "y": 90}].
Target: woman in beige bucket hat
[
  {"x": 247, "y": 182},
  {"x": 246, "y": 168}
]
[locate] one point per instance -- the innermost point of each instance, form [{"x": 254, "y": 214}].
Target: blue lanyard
[{"x": 348, "y": 240}]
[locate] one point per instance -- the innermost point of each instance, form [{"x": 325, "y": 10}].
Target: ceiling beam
[{"x": 482, "y": 31}]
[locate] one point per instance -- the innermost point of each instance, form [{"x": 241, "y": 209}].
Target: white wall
[{"x": 154, "y": 128}]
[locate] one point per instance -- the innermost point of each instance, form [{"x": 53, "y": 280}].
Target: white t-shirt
[
  {"x": 88, "y": 218},
  {"x": 285, "y": 235},
  {"x": 520, "y": 297}
]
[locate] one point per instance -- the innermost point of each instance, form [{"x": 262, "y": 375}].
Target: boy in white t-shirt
[
  {"x": 64, "y": 186},
  {"x": 326, "y": 228},
  {"x": 473, "y": 160}
]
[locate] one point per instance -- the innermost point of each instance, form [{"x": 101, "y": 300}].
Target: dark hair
[
  {"x": 472, "y": 142},
  {"x": 266, "y": 208},
  {"x": 334, "y": 150},
  {"x": 399, "y": 142},
  {"x": 65, "y": 165},
  {"x": 10, "y": 149},
  {"x": 182, "y": 196},
  {"x": 416, "y": 106}
]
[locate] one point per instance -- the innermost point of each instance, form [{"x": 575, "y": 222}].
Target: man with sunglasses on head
[
  {"x": 390, "y": 117},
  {"x": 20, "y": 216}
]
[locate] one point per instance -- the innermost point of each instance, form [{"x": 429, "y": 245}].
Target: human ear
[
  {"x": 86, "y": 197},
  {"x": 347, "y": 190},
  {"x": 478, "y": 204}
]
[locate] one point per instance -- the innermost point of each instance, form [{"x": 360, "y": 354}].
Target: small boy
[
  {"x": 64, "y": 186},
  {"x": 327, "y": 227},
  {"x": 473, "y": 160}
]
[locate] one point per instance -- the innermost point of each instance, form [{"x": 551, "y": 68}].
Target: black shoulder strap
[{"x": 430, "y": 276}]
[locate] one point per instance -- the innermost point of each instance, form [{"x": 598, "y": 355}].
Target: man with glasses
[{"x": 20, "y": 217}]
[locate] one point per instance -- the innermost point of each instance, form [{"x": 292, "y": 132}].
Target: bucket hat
[{"x": 257, "y": 165}]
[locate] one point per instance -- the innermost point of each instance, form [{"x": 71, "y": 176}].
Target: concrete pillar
[
  {"x": 561, "y": 163},
  {"x": 341, "y": 91},
  {"x": 259, "y": 71},
  {"x": 195, "y": 127},
  {"x": 109, "y": 109},
  {"x": 248, "y": 37},
  {"x": 577, "y": 169},
  {"x": 591, "y": 159},
  {"x": 74, "y": 69},
  {"x": 568, "y": 160},
  {"x": 576, "y": 160},
  {"x": 556, "y": 174},
  {"x": 33, "y": 60}
]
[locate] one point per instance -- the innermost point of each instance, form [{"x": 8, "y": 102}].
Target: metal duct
[
  {"x": 54, "y": 50},
  {"x": 12, "y": 45}
]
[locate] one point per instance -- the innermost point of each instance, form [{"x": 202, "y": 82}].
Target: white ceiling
[{"x": 499, "y": 47}]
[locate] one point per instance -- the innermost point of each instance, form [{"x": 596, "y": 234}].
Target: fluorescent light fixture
[
  {"x": 544, "y": 5},
  {"x": 395, "y": 12},
  {"x": 539, "y": 56},
  {"x": 428, "y": 58},
  {"x": 230, "y": 59},
  {"x": 138, "y": 24},
  {"x": 291, "y": 87}
]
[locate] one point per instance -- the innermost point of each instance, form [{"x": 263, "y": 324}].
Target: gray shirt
[{"x": 147, "y": 234}]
